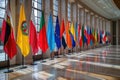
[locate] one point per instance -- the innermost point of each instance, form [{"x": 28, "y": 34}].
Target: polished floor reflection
[{"x": 94, "y": 64}]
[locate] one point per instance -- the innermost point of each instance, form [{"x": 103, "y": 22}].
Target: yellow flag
[
  {"x": 22, "y": 35},
  {"x": 72, "y": 30}
]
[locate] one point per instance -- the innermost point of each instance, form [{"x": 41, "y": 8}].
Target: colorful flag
[
  {"x": 76, "y": 31},
  {"x": 72, "y": 39},
  {"x": 91, "y": 38},
  {"x": 62, "y": 29},
  {"x": 100, "y": 37},
  {"x": 3, "y": 30},
  {"x": 22, "y": 35},
  {"x": 88, "y": 35},
  {"x": 84, "y": 34},
  {"x": 103, "y": 37},
  {"x": 33, "y": 38},
  {"x": 63, "y": 42},
  {"x": 68, "y": 39},
  {"x": 72, "y": 30},
  {"x": 72, "y": 35},
  {"x": 80, "y": 38},
  {"x": 50, "y": 34},
  {"x": 95, "y": 35},
  {"x": 8, "y": 35},
  {"x": 57, "y": 33},
  {"x": 42, "y": 35}
]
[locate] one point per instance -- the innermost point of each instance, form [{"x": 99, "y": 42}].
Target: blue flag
[
  {"x": 72, "y": 38},
  {"x": 57, "y": 34},
  {"x": 100, "y": 37},
  {"x": 50, "y": 34},
  {"x": 76, "y": 30},
  {"x": 91, "y": 37}
]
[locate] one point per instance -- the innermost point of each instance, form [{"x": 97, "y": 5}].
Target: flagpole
[
  {"x": 23, "y": 63},
  {"x": 43, "y": 61},
  {"x": 58, "y": 53},
  {"x": 8, "y": 66},
  {"x": 33, "y": 61}
]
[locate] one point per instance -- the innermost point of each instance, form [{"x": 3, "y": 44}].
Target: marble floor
[{"x": 94, "y": 64}]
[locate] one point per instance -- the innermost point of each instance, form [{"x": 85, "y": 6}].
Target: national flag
[
  {"x": 103, "y": 37},
  {"x": 3, "y": 30},
  {"x": 88, "y": 35},
  {"x": 95, "y": 35},
  {"x": 50, "y": 34},
  {"x": 91, "y": 38},
  {"x": 22, "y": 35},
  {"x": 76, "y": 31},
  {"x": 72, "y": 30},
  {"x": 68, "y": 39},
  {"x": 100, "y": 37},
  {"x": 62, "y": 29},
  {"x": 84, "y": 34},
  {"x": 80, "y": 38},
  {"x": 42, "y": 35},
  {"x": 57, "y": 33},
  {"x": 72, "y": 39},
  {"x": 7, "y": 35},
  {"x": 63, "y": 42},
  {"x": 33, "y": 38},
  {"x": 72, "y": 35}
]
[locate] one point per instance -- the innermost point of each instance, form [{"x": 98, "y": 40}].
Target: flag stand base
[
  {"x": 43, "y": 61},
  {"x": 23, "y": 62},
  {"x": 23, "y": 67},
  {"x": 58, "y": 57},
  {"x": 8, "y": 71},
  {"x": 8, "y": 67},
  {"x": 51, "y": 58},
  {"x": 33, "y": 61}
]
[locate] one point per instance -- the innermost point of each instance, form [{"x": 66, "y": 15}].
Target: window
[
  {"x": 55, "y": 11},
  {"x": 3, "y": 3},
  {"x": 79, "y": 16},
  {"x": 36, "y": 13},
  {"x": 69, "y": 12}
]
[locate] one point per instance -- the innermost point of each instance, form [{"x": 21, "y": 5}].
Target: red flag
[
  {"x": 42, "y": 35},
  {"x": 80, "y": 38},
  {"x": 8, "y": 36},
  {"x": 62, "y": 29},
  {"x": 3, "y": 30},
  {"x": 33, "y": 38}
]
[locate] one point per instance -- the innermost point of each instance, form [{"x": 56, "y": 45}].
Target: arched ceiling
[{"x": 106, "y": 8}]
